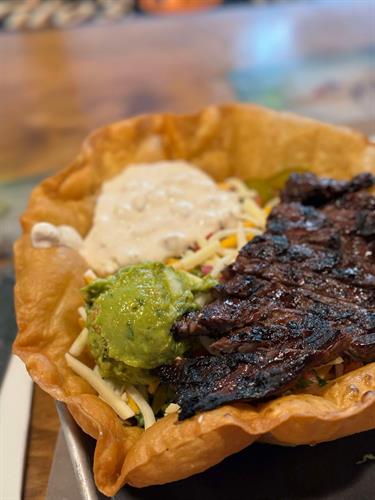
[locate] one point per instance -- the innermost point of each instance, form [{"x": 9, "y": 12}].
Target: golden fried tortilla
[{"x": 233, "y": 140}]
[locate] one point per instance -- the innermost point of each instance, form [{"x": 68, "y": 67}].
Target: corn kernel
[
  {"x": 267, "y": 210},
  {"x": 171, "y": 261},
  {"x": 89, "y": 276},
  {"x": 248, "y": 223},
  {"x": 229, "y": 242}
]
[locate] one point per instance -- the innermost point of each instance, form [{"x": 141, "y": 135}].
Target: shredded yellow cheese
[
  {"x": 82, "y": 313},
  {"x": 240, "y": 187},
  {"x": 270, "y": 204},
  {"x": 133, "y": 405},
  {"x": 102, "y": 388},
  {"x": 90, "y": 276},
  {"x": 221, "y": 263},
  {"x": 79, "y": 344},
  {"x": 223, "y": 185},
  {"x": 241, "y": 236},
  {"x": 145, "y": 408},
  {"x": 199, "y": 257},
  {"x": 254, "y": 212},
  {"x": 336, "y": 361},
  {"x": 172, "y": 408},
  {"x": 248, "y": 223}
]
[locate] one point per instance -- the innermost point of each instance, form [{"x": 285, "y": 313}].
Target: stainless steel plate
[{"x": 261, "y": 472}]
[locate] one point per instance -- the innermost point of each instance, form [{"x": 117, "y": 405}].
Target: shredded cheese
[
  {"x": 227, "y": 233},
  {"x": 82, "y": 313},
  {"x": 219, "y": 235},
  {"x": 202, "y": 242},
  {"x": 145, "y": 408},
  {"x": 223, "y": 185},
  {"x": 104, "y": 390},
  {"x": 255, "y": 213},
  {"x": 90, "y": 276},
  {"x": 172, "y": 408},
  {"x": 240, "y": 187},
  {"x": 241, "y": 236},
  {"x": 220, "y": 264},
  {"x": 133, "y": 405},
  {"x": 79, "y": 344},
  {"x": 270, "y": 204},
  {"x": 336, "y": 361},
  {"x": 199, "y": 257}
]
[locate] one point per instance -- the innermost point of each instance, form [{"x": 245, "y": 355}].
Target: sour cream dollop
[
  {"x": 46, "y": 235},
  {"x": 151, "y": 212}
]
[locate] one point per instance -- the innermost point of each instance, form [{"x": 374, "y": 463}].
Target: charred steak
[{"x": 295, "y": 298}]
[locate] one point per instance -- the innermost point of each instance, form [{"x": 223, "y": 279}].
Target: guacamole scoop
[{"x": 130, "y": 316}]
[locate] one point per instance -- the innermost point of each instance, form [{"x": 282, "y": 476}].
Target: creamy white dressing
[
  {"x": 155, "y": 211},
  {"x": 46, "y": 235}
]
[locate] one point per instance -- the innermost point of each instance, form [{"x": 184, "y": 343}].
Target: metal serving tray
[{"x": 327, "y": 471}]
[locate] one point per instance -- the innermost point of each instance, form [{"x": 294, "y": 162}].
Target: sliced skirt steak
[{"x": 296, "y": 297}]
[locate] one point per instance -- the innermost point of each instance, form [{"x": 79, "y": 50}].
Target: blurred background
[
  {"x": 39, "y": 14},
  {"x": 69, "y": 66}
]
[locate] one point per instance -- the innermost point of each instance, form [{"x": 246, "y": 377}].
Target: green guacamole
[{"x": 130, "y": 316}]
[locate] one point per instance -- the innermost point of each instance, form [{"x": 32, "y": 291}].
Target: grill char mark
[{"x": 296, "y": 297}]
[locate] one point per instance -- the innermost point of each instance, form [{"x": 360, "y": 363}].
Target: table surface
[{"x": 56, "y": 86}]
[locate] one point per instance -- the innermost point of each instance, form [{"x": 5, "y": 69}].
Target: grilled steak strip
[
  {"x": 295, "y": 298},
  {"x": 310, "y": 189}
]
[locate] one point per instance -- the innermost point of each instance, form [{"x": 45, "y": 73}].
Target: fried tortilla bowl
[{"x": 232, "y": 140}]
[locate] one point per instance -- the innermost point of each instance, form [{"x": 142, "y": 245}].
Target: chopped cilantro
[{"x": 321, "y": 381}]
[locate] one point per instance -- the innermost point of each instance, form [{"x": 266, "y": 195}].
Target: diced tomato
[{"x": 206, "y": 269}]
